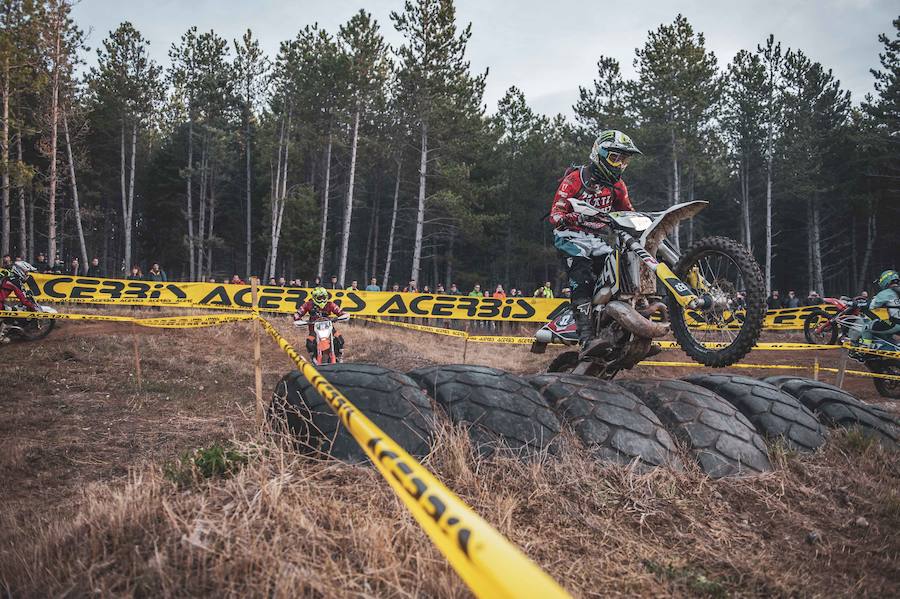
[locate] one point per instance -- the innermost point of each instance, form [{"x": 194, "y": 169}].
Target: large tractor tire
[
  {"x": 837, "y": 408},
  {"x": 776, "y": 414},
  {"x": 612, "y": 422},
  {"x": 721, "y": 439},
  {"x": 388, "y": 398},
  {"x": 500, "y": 409}
]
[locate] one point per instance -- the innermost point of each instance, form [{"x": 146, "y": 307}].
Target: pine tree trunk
[
  {"x": 212, "y": 222},
  {"x": 54, "y": 121},
  {"x": 201, "y": 205},
  {"x": 249, "y": 239},
  {"x": 4, "y": 167},
  {"x": 420, "y": 209},
  {"x": 24, "y": 247},
  {"x": 31, "y": 226},
  {"x": 321, "y": 268},
  {"x": 390, "y": 247},
  {"x": 376, "y": 228},
  {"x": 77, "y": 206},
  {"x": 448, "y": 267},
  {"x": 190, "y": 204},
  {"x": 745, "y": 204},
  {"x": 676, "y": 190},
  {"x": 130, "y": 227},
  {"x": 871, "y": 232},
  {"x": 816, "y": 246},
  {"x": 348, "y": 209},
  {"x": 279, "y": 213}
]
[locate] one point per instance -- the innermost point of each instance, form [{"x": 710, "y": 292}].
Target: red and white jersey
[{"x": 573, "y": 199}]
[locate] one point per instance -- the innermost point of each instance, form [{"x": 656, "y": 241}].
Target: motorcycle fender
[
  {"x": 324, "y": 345},
  {"x": 48, "y": 309}
]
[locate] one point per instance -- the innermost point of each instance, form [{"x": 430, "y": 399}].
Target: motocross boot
[{"x": 583, "y": 324}]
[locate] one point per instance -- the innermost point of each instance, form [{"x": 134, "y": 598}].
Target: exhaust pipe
[
  {"x": 631, "y": 320},
  {"x": 653, "y": 309}
]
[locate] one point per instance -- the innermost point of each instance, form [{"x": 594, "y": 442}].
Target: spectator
[
  {"x": 333, "y": 284},
  {"x": 272, "y": 281},
  {"x": 454, "y": 290},
  {"x": 211, "y": 280},
  {"x": 317, "y": 282},
  {"x": 740, "y": 300},
  {"x": 354, "y": 286},
  {"x": 59, "y": 267},
  {"x": 791, "y": 301},
  {"x": 137, "y": 275},
  {"x": 513, "y": 292},
  {"x": 41, "y": 265},
  {"x": 236, "y": 280},
  {"x": 155, "y": 274},
  {"x": 94, "y": 269},
  {"x": 426, "y": 289},
  {"x": 74, "y": 267},
  {"x": 7, "y": 261},
  {"x": 476, "y": 291},
  {"x": 373, "y": 285},
  {"x": 395, "y": 288},
  {"x": 773, "y": 302},
  {"x": 282, "y": 282},
  {"x": 411, "y": 288},
  {"x": 813, "y": 299},
  {"x": 864, "y": 294},
  {"x": 567, "y": 292},
  {"x": 545, "y": 290},
  {"x": 439, "y": 288},
  {"x": 499, "y": 293}
]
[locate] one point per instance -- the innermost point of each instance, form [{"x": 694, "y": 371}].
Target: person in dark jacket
[
  {"x": 94, "y": 269},
  {"x": 773, "y": 302},
  {"x": 155, "y": 274}
]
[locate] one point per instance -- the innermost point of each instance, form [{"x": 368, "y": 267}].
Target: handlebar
[{"x": 306, "y": 321}]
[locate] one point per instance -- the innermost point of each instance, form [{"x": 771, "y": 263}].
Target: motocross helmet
[
  {"x": 21, "y": 270},
  {"x": 320, "y": 297},
  {"x": 888, "y": 278},
  {"x": 610, "y": 155}
]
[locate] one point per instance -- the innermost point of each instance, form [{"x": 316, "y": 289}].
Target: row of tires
[{"x": 722, "y": 421}]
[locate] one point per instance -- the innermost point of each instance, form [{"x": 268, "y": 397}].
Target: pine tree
[
  {"x": 251, "y": 68},
  {"x": 365, "y": 51},
  {"x": 435, "y": 83},
  {"x": 128, "y": 82},
  {"x": 772, "y": 60},
  {"x": 604, "y": 106}
]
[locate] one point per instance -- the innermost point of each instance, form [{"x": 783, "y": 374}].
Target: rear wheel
[
  {"x": 827, "y": 335},
  {"x": 717, "y": 269}
]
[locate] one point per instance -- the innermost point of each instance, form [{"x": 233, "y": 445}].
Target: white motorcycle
[{"x": 323, "y": 329}]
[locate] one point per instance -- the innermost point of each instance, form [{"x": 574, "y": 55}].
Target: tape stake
[{"x": 487, "y": 562}]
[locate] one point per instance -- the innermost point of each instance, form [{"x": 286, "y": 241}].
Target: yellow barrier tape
[
  {"x": 765, "y": 345},
  {"x": 501, "y": 339},
  {"x": 488, "y": 563},
  {"x": 873, "y": 352},
  {"x": 416, "y": 327},
  {"x": 166, "y": 322},
  {"x": 63, "y": 288},
  {"x": 874, "y": 375}
]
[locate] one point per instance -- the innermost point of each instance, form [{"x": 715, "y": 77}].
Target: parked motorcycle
[
  {"x": 701, "y": 285},
  {"x": 825, "y": 328},
  {"x": 323, "y": 329}
]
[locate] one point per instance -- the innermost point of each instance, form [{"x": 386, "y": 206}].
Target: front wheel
[
  {"x": 826, "y": 335},
  {"x": 887, "y": 387},
  {"x": 719, "y": 269},
  {"x": 35, "y": 329}
]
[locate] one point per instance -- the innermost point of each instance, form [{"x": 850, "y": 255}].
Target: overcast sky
[{"x": 546, "y": 48}]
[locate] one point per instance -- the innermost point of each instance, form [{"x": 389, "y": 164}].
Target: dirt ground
[{"x": 77, "y": 426}]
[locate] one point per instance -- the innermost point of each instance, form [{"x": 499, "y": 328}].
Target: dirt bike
[
  {"x": 323, "y": 329},
  {"x": 701, "y": 287},
  {"x": 28, "y": 329},
  {"x": 824, "y": 328}
]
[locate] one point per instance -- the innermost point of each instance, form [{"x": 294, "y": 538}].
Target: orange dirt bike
[
  {"x": 323, "y": 338},
  {"x": 713, "y": 292}
]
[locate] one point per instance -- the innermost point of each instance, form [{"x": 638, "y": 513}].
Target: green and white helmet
[
  {"x": 887, "y": 278},
  {"x": 610, "y": 155}
]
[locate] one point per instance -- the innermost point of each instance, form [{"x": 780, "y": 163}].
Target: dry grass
[{"x": 88, "y": 508}]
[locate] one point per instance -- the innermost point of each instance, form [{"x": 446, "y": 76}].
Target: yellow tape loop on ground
[{"x": 488, "y": 563}]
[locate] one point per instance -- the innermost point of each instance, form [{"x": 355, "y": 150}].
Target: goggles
[{"x": 618, "y": 159}]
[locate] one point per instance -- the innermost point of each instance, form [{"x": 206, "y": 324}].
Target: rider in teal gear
[{"x": 889, "y": 297}]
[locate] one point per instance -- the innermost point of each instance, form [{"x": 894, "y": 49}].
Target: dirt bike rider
[
  {"x": 318, "y": 307},
  {"x": 888, "y": 297},
  {"x": 12, "y": 280},
  {"x": 579, "y": 230}
]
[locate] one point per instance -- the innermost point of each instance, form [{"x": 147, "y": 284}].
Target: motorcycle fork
[{"x": 681, "y": 292}]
